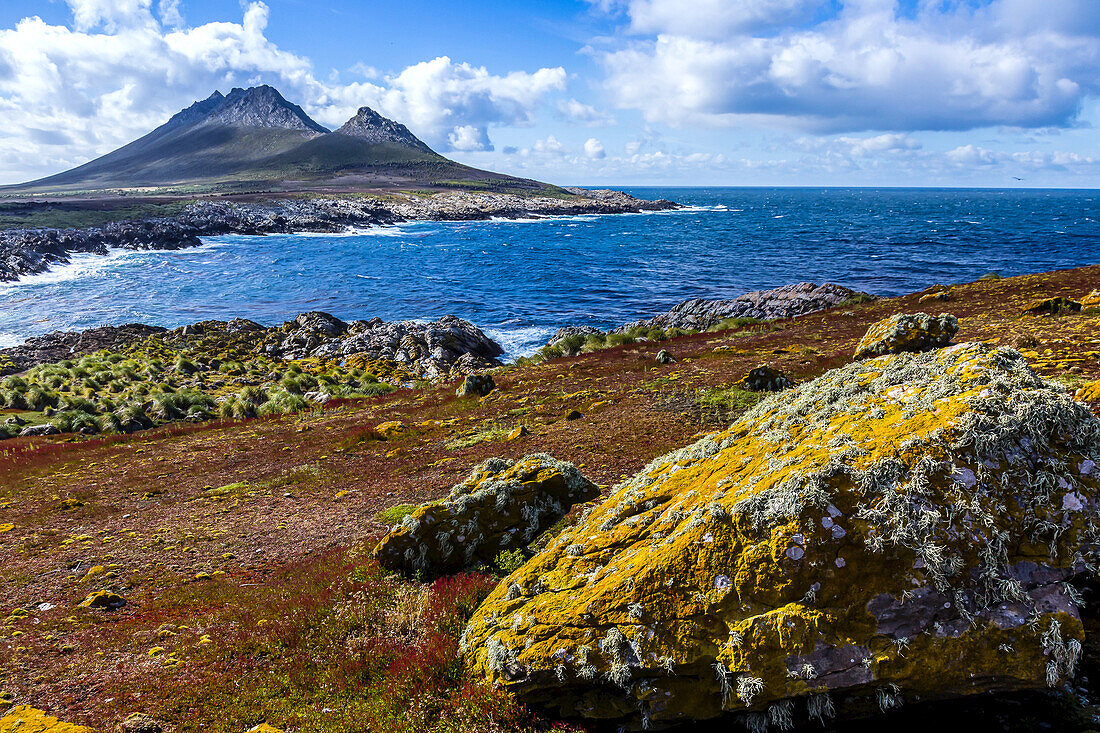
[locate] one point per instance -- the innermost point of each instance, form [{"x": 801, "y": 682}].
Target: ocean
[{"x": 521, "y": 280}]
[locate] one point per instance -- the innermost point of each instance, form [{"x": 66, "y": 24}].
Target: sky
[{"x": 997, "y": 93}]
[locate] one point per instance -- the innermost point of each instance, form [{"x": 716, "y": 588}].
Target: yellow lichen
[
  {"x": 25, "y": 719},
  {"x": 771, "y": 561}
]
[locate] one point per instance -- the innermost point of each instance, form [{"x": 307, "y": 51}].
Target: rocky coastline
[{"x": 32, "y": 251}]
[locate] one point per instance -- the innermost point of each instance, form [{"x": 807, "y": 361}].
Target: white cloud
[
  {"x": 580, "y": 113},
  {"x": 118, "y": 71},
  {"x": 715, "y": 18},
  {"x": 594, "y": 149},
  {"x": 866, "y": 67}
]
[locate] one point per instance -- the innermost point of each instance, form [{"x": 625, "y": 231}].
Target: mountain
[{"x": 254, "y": 140}]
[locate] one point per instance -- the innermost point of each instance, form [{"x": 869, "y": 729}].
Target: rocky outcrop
[
  {"x": 899, "y": 529},
  {"x": 503, "y": 505},
  {"x": 68, "y": 344},
  {"x": 440, "y": 349},
  {"x": 25, "y": 719},
  {"x": 784, "y": 302},
  {"x": 29, "y": 251},
  {"x": 907, "y": 332}
]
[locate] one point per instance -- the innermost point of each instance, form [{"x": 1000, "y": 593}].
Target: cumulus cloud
[
  {"x": 864, "y": 66},
  {"x": 594, "y": 149},
  {"x": 122, "y": 67}
]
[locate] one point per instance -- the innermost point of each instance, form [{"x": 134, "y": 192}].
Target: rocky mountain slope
[{"x": 254, "y": 139}]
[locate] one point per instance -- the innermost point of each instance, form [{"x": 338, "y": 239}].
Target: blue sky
[{"x": 627, "y": 92}]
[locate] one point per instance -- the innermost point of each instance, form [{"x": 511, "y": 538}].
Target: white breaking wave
[
  {"x": 80, "y": 265},
  {"x": 522, "y": 341}
]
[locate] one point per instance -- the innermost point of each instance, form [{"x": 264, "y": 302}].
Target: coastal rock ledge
[{"x": 901, "y": 528}]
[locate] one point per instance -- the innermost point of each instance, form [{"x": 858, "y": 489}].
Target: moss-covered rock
[
  {"x": 104, "y": 599},
  {"x": 476, "y": 385},
  {"x": 503, "y": 505},
  {"x": 25, "y": 719},
  {"x": 907, "y": 332},
  {"x": 901, "y": 528}
]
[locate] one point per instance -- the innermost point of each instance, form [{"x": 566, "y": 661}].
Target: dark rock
[
  {"x": 476, "y": 385},
  {"x": 574, "y": 415},
  {"x": 664, "y": 357},
  {"x": 15, "y": 420},
  {"x": 1052, "y": 306},
  {"x": 765, "y": 378}
]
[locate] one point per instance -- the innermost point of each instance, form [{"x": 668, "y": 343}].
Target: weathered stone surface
[
  {"x": 141, "y": 723},
  {"x": 907, "y": 332},
  {"x": 783, "y": 302},
  {"x": 902, "y": 527},
  {"x": 765, "y": 378},
  {"x": 1051, "y": 306},
  {"x": 503, "y": 505},
  {"x": 1091, "y": 300},
  {"x": 25, "y": 719},
  {"x": 665, "y": 357},
  {"x": 476, "y": 385},
  {"x": 39, "y": 430}
]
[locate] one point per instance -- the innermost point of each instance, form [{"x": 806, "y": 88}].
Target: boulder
[
  {"x": 765, "y": 378},
  {"x": 899, "y": 529},
  {"x": 320, "y": 322},
  {"x": 103, "y": 599},
  {"x": 1092, "y": 300},
  {"x": 1051, "y": 306},
  {"x": 934, "y": 293},
  {"x": 25, "y": 719},
  {"x": 39, "y": 430},
  {"x": 141, "y": 723},
  {"x": 664, "y": 357},
  {"x": 503, "y": 505},
  {"x": 1089, "y": 392},
  {"x": 907, "y": 332},
  {"x": 476, "y": 385}
]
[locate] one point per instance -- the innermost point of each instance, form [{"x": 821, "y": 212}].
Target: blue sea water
[{"x": 520, "y": 280}]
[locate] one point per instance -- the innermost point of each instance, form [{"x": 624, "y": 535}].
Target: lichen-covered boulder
[
  {"x": 901, "y": 528},
  {"x": 25, "y": 719},
  {"x": 1089, "y": 392},
  {"x": 907, "y": 332},
  {"x": 503, "y": 505},
  {"x": 1092, "y": 300},
  {"x": 1051, "y": 306},
  {"x": 765, "y": 378}
]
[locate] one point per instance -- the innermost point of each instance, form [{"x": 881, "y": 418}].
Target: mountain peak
[
  {"x": 372, "y": 127},
  {"x": 260, "y": 106}
]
